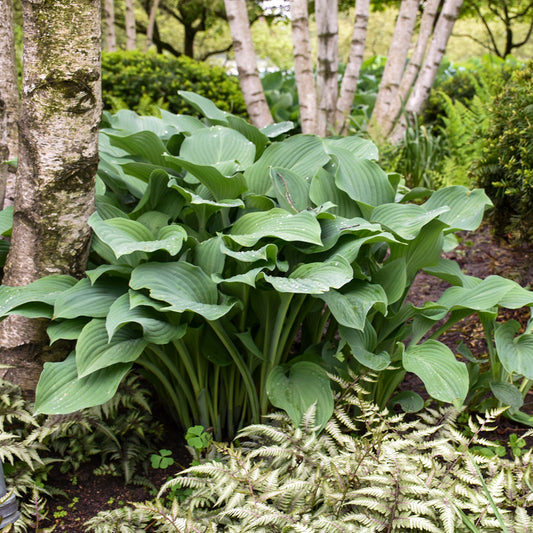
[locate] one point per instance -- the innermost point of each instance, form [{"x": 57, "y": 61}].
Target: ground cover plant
[{"x": 237, "y": 268}]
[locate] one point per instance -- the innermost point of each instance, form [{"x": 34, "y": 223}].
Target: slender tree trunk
[
  {"x": 413, "y": 68},
  {"x": 303, "y": 65},
  {"x": 9, "y": 94},
  {"x": 396, "y": 59},
  {"x": 109, "y": 16},
  {"x": 151, "y": 24},
  {"x": 327, "y": 64},
  {"x": 250, "y": 82},
  {"x": 353, "y": 67},
  {"x": 441, "y": 34},
  {"x": 131, "y": 34},
  {"x": 58, "y": 156}
]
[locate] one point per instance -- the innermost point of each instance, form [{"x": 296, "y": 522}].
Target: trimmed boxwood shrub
[
  {"x": 135, "y": 80},
  {"x": 505, "y": 169}
]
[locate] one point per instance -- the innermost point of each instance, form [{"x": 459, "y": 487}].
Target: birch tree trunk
[
  {"x": 353, "y": 67},
  {"x": 109, "y": 17},
  {"x": 327, "y": 64},
  {"x": 396, "y": 59},
  {"x": 250, "y": 82},
  {"x": 151, "y": 24},
  {"x": 413, "y": 68},
  {"x": 303, "y": 66},
  {"x": 9, "y": 94},
  {"x": 58, "y": 156},
  {"x": 428, "y": 73},
  {"x": 131, "y": 34}
]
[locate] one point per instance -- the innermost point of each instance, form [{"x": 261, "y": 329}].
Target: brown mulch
[{"x": 480, "y": 254}]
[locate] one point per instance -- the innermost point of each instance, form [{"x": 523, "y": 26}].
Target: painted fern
[{"x": 368, "y": 471}]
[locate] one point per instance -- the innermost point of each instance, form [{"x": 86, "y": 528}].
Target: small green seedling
[
  {"x": 516, "y": 444},
  {"x": 198, "y": 440},
  {"x": 162, "y": 459}
]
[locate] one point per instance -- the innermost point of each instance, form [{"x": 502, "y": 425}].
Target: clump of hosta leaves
[{"x": 393, "y": 475}]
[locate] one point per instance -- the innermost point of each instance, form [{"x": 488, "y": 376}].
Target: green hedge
[
  {"x": 505, "y": 169},
  {"x": 138, "y": 81}
]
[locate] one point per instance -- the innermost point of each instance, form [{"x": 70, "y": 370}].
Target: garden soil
[{"x": 480, "y": 254}]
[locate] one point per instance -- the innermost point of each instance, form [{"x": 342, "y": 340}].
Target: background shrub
[
  {"x": 506, "y": 166},
  {"x": 138, "y": 81}
]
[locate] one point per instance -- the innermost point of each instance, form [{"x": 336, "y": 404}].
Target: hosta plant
[
  {"x": 236, "y": 268},
  {"x": 396, "y": 476}
]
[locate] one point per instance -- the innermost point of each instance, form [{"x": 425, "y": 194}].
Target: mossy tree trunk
[{"x": 58, "y": 156}]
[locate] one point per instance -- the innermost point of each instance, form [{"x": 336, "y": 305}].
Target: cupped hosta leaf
[
  {"x": 84, "y": 299},
  {"x": 276, "y": 223},
  {"x": 126, "y": 236},
  {"x": 451, "y": 272},
  {"x": 268, "y": 252},
  {"x": 324, "y": 189},
  {"x": 66, "y": 329},
  {"x": 248, "y": 278},
  {"x": 333, "y": 229},
  {"x": 145, "y": 144},
  {"x": 198, "y": 200},
  {"x": 406, "y": 220},
  {"x": 491, "y": 292},
  {"x": 182, "y": 123},
  {"x": 409, "y": 401},
  {"x": 205, "y": 106},
  {"x": 393, "y": 278},
  {"x": 155, "y": 221},
  {"x": 60, "y": 391},
  {"x": 33, "y": 310},
  {"x": 306, "y": 384},
  {"x": 253, "y": 134},
  {"x": 466, "y": 207},
  {"x": 155, "y": 327},
  {"x": 515, "y": 353},
  {"x": 445, "y": 378},
  {"x": 184, "y": 286},
  {"x": 291, "y": 189},
  {"x": 213, "y": 145},
  {"x": 303, "y": 154},
  {"x": 314, "y": 278},
  {"x": 221, "y": 187},
  {"x": 44, "y": 290},
  {"x": 128, "y": 120},
  {"x": 94, "y": 351},
  {"x": 361, "y": 179},
  {"x": 274, "y": 130},
  {"x": 362, "y": 148},
  {"x": 362, "y": 344},
  {"x": 351, "y": 306},
  {"x": 208, "y": 255},
  {"x": 6, "y": 220},
  {"x": 111, "y": 173}
]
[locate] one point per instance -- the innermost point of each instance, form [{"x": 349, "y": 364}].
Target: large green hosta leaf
[
  {"x": 84, "y": 299},
  {"x": 291, "y": 189},
  {"x": 60, "y": 391},
  {"x": 45, "y": 290},
  {"x": 145, "y": 144},
  {"x": 305, "y": 385},
  {"x": 94, "y": 350},
  {"x": 184, "y": 286},
  {"x": 351, "y": 306},
  {"x": 156, "y": 327},
  {"x": 362, "y": 345},
  {"x": 515, "y": 353},
  {"x": 362, "y": 148},
  {"x": 303, "y": 154},
  {"x": 314, "y": 278},
  {"x": 125, "y": 236},
  {"x": 6, "y": 220},
  {"x": 276, "y": 223},
  {"x": 445, "y": 378},
  {"x": 466, "y": 207}
]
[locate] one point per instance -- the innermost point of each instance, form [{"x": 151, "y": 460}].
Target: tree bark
[
  {"x": 353, "y": 67},
  {"x": 396, "y": 59},
  {"x": 151, "y": 24},
  {"x": 303, "y": 66},
  {"x": 9, "y": 94},
  {"x": 413, "y": 68},
  {"x": 327, "y": 64},
  {"x": 58, "y": 157},
  {"x": 109, "y": 16},
  {"x": 441, "y": 34},
  {"x": 131, "y": 34},
  {"x": 250, "y": 82}
]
